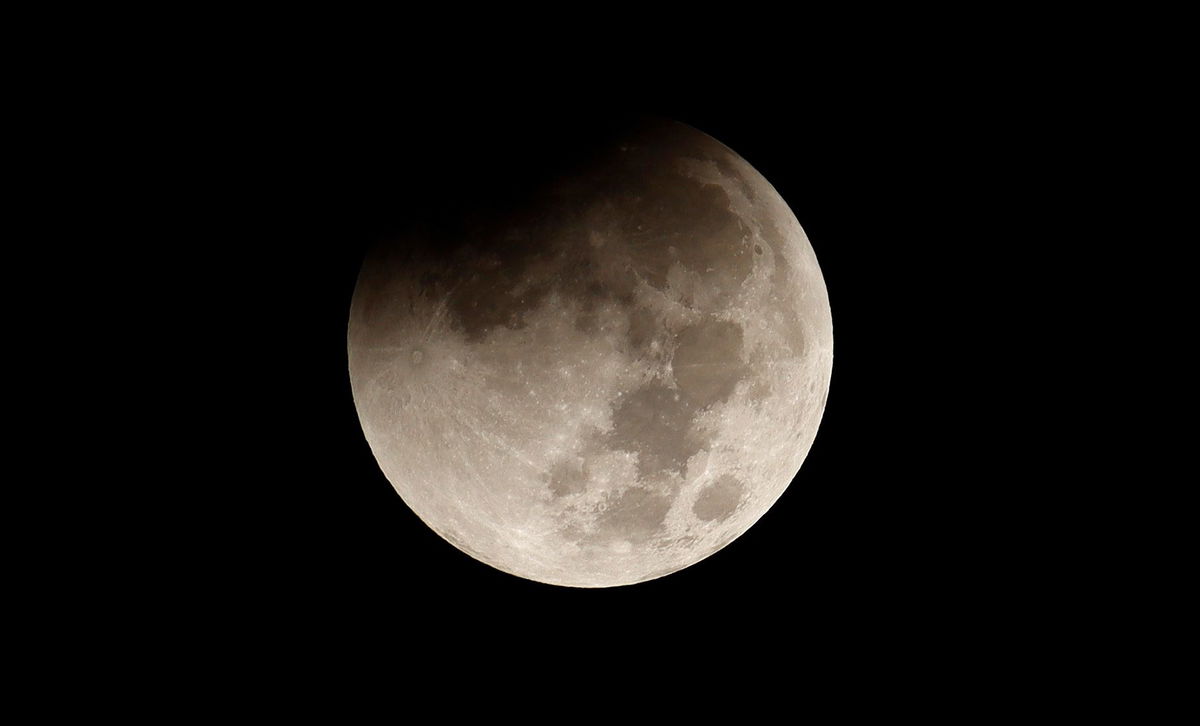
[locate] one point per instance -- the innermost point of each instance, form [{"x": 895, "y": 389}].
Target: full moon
[{"x": 609, "y": 378}]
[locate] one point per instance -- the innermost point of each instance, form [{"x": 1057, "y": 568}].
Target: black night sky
[{"x": 312, "y": 537}]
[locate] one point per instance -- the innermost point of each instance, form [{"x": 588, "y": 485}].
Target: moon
[{"x": 606, "y": 380}]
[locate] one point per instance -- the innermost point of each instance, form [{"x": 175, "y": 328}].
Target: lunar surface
[{"x": 608, "y": 381}]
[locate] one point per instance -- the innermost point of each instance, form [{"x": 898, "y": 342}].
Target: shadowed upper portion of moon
[
  {"x": 558, "y": 375},
  {"x": 627, "y": 202}
]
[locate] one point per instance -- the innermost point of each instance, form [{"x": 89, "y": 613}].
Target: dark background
[
  {"x": 953, "y": 174},
  {"x": 940, "y": 166},
  {"x": 876, "y": 541}
]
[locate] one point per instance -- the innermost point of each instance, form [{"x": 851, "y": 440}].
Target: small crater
[
  {"x": 416, "y": 357},
  {"x": 719, "y": 500},
  {"x": 758, "y": 250}
]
